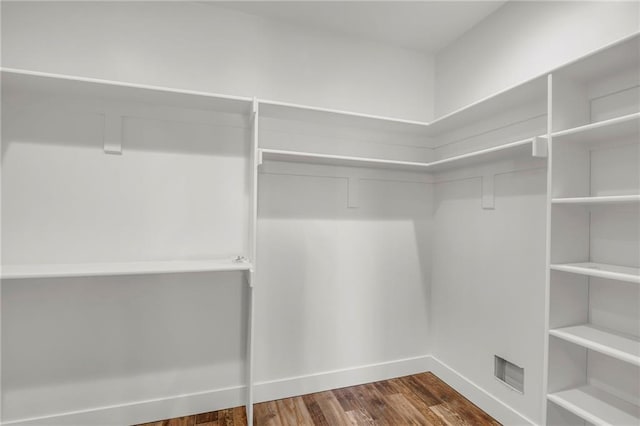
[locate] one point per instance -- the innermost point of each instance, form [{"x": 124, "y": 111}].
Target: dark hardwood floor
[{"x": 421, "y": 399}]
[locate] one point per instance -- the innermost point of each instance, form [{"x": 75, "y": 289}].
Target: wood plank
[
  {"x": 410, "y": 415},
  {"x": 360, "y": 417},
  {"x": 314, "y": 410},
  {"x": 450, "y": 417},
  {"x": 211, "y": 416},
  {"x": 423, "y": 405},
  {"x": 331, "y": 408},
  {"x": 266, "y": 414},
  {"x": 293, "y": 411}
]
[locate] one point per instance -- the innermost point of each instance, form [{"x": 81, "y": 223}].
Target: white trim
[
  {"x": 480, "y": 397},
  {"x": 335, "y": 379},
  {"x": 143, "y": 411}
]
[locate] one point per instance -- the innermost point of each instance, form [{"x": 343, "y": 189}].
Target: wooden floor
[{"x": 421, "y": 399}]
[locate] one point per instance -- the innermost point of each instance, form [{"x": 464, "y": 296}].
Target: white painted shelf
[
  {"x": 601, "y": 270},
  {"x": 123, "y": 268},
  {"x": 338, "y": 160},
  {"x": 615, "y": 128},
  {"x": 624, "y": 348},
  {"x": 599, "y": 200},
  {"x": 326, "y": 116},
  {"x": 22, "y": 81},
  {"x": 597, "y": 406},
  {"x": 518, "y": 149},
  {"x": 534, "y": 90}
]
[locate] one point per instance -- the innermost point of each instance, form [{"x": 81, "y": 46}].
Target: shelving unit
[
  {"x": 573, "y": 133},
  {"x": 614, "y": 128},
  {"x": 593, "y": 210},
  {"x": 601, "y": 200},
  {"x": 600, "y": 270},
  {"x": 518, "y": 149},
  {"x": 77, "y": 124},
  {"x": 608, "y": 343},
  {"x": 597, "y": 406},
  {"x": 121, "y": 268}
]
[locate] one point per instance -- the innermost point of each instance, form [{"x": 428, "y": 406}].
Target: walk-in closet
[{"x": 282, "y": 213}]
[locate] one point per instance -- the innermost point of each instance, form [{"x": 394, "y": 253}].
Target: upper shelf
[
  {"x": 528, "y": 92},
  {"x": 518, "y": 149},
  {"x": 601, "y": 270},
  {"x": 121, "y": 268},
  {"x": 620, "y": 55},
  {"x": 615, "y": 128},
  {"x": 599, "y": 200},
  {"x": 289, "y": 111},
  {"x": 14, "y": 80}
]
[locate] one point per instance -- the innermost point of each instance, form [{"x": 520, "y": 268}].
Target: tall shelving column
[
  {"x": 253, "y": 230},
  {"x": 593, "y": 306}
]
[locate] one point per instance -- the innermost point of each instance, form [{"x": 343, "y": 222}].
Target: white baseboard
[
  {"x": 143, "y": 411},
  {"x": 487, "y": 402},
  {"x": 335, "y": 379},
  {"x": 181, "y": 405}
]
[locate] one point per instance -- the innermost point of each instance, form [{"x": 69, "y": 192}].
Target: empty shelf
[
  {"x": 615, "y": 345},
  {"x": 326, "y": 116},
  {"x": 518, "y": 149},
  {"x": 619, "y": 127},
  {"x": 601, "y": 270},
  {"x": 123, "y": 268},
  {"x": 511, "y": 150},
  {"x": 339, "y": 160},
  {"x": 607, "y": 199},
  {"x": 597, "y": 406},
  {"x": 64, "y": 85}
]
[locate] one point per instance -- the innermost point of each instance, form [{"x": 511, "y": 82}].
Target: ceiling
[{"x": 427, "y": 26}]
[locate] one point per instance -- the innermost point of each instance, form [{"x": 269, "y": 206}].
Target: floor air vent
[{"x": 509, "y": 373}]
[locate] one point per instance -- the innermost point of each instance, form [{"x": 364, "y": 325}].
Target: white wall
[
  {"x": 522, "y": 40},
  {"x": 202, "y": 46}
]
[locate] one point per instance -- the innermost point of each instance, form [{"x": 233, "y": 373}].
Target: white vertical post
[
  {"x": 547, "y": 286},
  {"x": 255, "y": 162}
]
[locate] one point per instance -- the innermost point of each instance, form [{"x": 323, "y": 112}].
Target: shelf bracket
[
  {"x": 539, "y": 147},
  {"x": 259, "y": 159},
  {"x": 112, "y": 134},
  {"x": 352, "y": 192},
  {"x": 249, "y": 277},
  {"x": 488, "y": 194}
]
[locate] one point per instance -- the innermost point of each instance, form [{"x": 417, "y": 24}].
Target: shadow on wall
[
  {"x": 82, "y": 123},
  {"x": 171, "y": 333},
  {"x": 340, "y": 287}
]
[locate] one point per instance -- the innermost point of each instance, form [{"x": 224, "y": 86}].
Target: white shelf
[
  {"x": 339, "y": 160},
  {"x": 326, "y": 116},
  {"x": 516, "y": 149},
  {"x": 601, "y": 270},
  {"x": 530, "y": 91},
  {"x": 619, "y": 127},
  {"x": 512, "y": 150},
  {"x": 624, "y": 348},
  {"x": 597, "y": 406},
  {"x": 123, "y": 268},
  {"x": 599, "y": 200},
  {"x": 15, "y": 80}
]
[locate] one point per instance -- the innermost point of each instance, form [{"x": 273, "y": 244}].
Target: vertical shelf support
[
  {"x": 112, "y": 133},
  {"x": 488, "y": 194}
]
